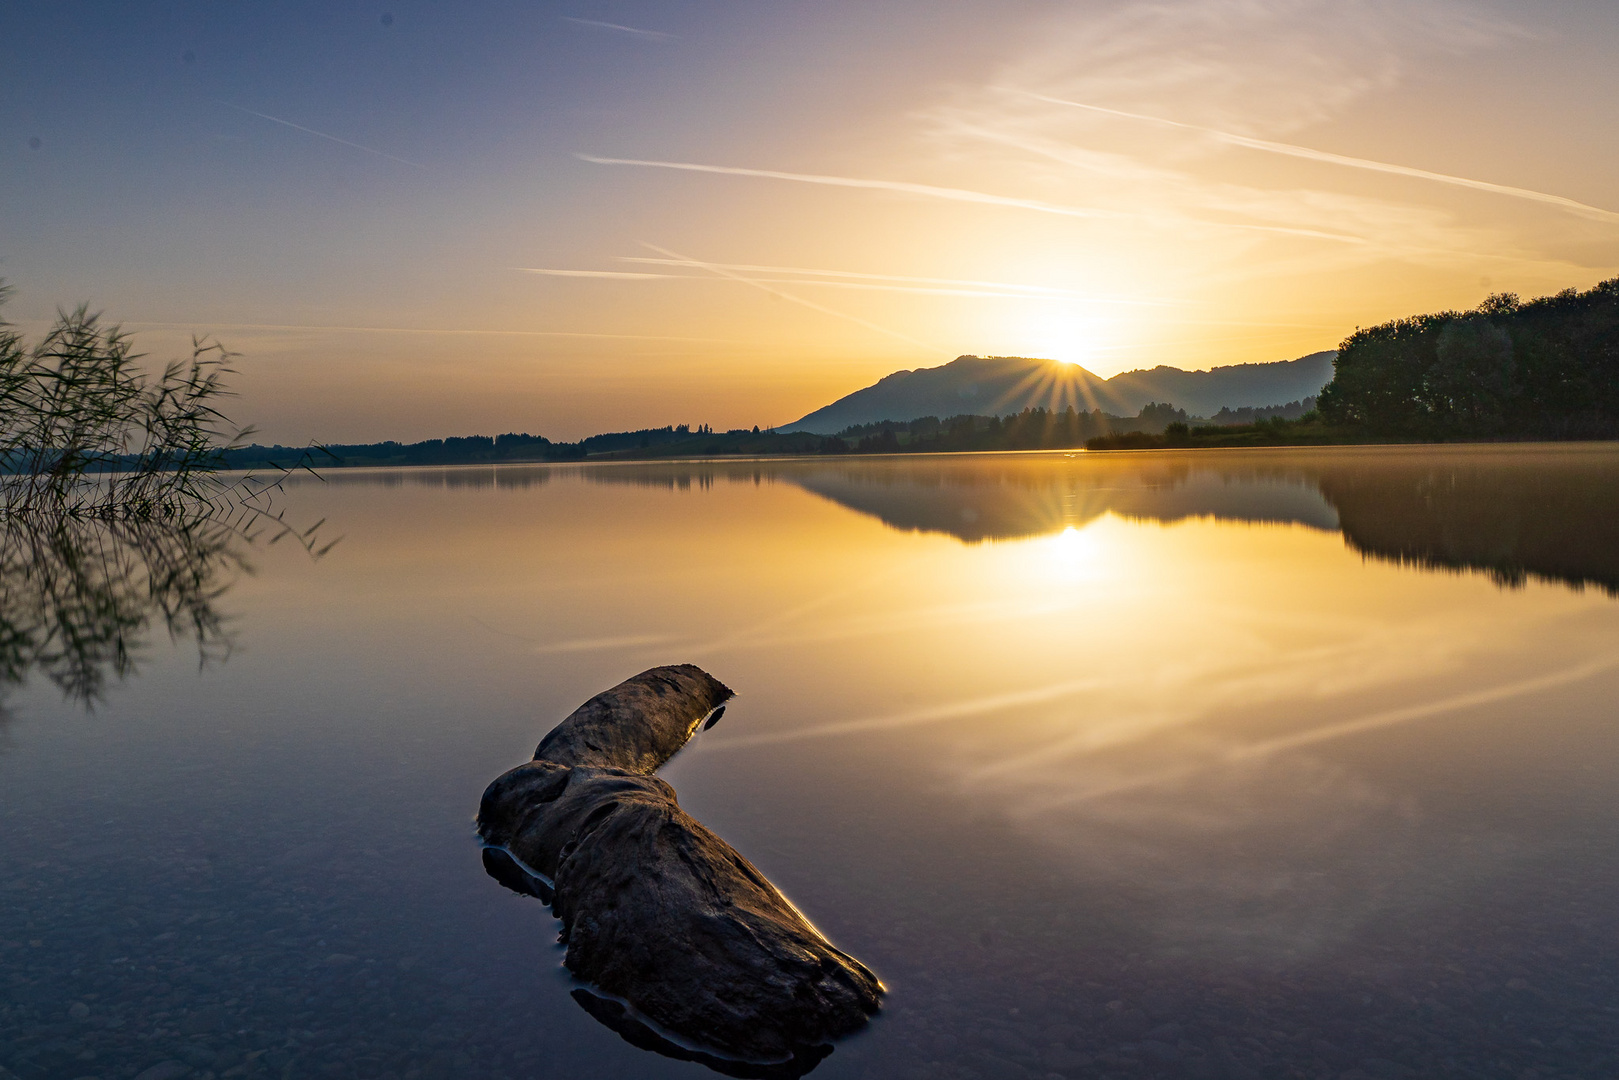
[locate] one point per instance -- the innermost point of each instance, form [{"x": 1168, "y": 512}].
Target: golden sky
[{"x": 596, "y": 217}]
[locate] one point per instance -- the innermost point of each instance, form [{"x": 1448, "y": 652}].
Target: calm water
[{"x": 1259, "y": 764}]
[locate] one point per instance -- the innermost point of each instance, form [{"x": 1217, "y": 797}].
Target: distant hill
[{"x": 1000, "y": 385}]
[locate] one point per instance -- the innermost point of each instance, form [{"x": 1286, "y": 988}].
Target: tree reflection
[
  {"x": 80, "y": 596},
  {"x": 1552, "y": 517},
  {"x": 1543, "y": 511}
]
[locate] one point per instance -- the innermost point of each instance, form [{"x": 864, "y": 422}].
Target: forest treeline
[
  {"x": 1509, "y": 369},
  {"x": 1546, "y": 368},
  {"x": 1032, "y": 429},
  {"x": 673, "y": 441},
  {"x": 1541, "y": 369}
]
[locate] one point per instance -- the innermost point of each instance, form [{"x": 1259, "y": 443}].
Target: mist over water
[{"x": 1224, "y": 765}]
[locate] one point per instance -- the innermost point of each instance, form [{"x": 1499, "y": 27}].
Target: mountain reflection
[
  {"x": 1513, "y": 512},
  {"x": 1008, "y": 498},
  {"x": 79, "y": 597}
]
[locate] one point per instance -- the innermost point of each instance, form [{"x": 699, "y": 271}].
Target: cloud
[
  {"x": 1596, "y": 213},
  {"x": 1043, "y": 290},
  {"x": 928, "y": 190},
  {"x": 1008, "y": 293},
  {"x": 622, "y": 274},
  {"x": 633, "y": 31},
  {"x": 1256, "y": 66},
  {"x": 1377, "y": 228},
  {"x": 323, "y": 135},
  {"x": 322, "y": 328},
  {"x": 833, "y": 279},
  {"x": 953, "y": 194},
  {"x": 721, "y": 271},
  {"x": 1235, "y": 74}
]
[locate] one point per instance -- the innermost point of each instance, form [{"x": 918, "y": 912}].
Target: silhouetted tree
[{"x": 1543, "y": 368}]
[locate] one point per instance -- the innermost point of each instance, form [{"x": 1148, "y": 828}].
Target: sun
[{"x": 1063, "y": 334}]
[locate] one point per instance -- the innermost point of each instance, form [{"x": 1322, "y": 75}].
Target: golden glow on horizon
[
  {"x": 1061, "y": 333},
  {"x": 1193, "y": 183}
]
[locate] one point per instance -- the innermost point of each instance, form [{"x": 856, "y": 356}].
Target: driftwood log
[{"x": 658, "y": 913}]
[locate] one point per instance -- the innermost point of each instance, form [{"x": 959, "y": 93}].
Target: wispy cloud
[
  {"x": 1582, "y": 209},
  {"x": 748, "y": 268},
  {"x": 948, "y": 286},
  {"x": 320, "y": 327},
  {"x": 324, "y": 135},
  {"x": 917, "y": 290},
  {"x": 905, "y": 187},
  {"x": 732, "y": 275},
  {"x": 633, "y": 31},
  {"x": 952, "y": 194},
  {"x": 1271, "y": 66},
  {"x": 548, "y": 272},
  {"x": 924, "y": 290},
  {"x": 1378, "y": 228},
  {"x": 1239, "y": 74}
]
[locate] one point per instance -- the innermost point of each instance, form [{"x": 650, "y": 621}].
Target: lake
[{"x": 1292, "y": 763}]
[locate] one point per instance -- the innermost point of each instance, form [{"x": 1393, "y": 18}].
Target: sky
[{"x": 421, "y": 220}]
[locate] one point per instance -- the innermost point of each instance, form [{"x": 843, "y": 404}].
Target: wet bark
[{"x": 657, "y": 910}]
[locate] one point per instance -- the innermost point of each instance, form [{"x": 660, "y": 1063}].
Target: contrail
[
  {"x": 923, "y": 290},
  {"x": 590, "y": 273},
  {"x": 747, "y": 268},
  {"x": 323, "y": 135},
  {"x": 959, "y": 283},
  {"x": 953, "y": 194},
  {"x": 926, "y": 290},
  {"x": 430, "y": 330},
  {"x": 1289, "y": 149},
  {"x": 1032, "y": 290},
  {"x": 812, "y": 305},
  {"x": 652, "y": 35}
]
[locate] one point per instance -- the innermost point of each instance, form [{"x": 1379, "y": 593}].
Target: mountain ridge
[{"x": 1001, "y": 385}]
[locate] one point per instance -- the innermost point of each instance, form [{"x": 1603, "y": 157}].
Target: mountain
[{"x": 998, "y": 385}]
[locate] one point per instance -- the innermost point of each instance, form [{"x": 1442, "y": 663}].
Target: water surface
[{"x": 1249, "y": 764}]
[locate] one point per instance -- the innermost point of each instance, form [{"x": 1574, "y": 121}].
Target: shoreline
[{"x": 741, "y": 459}]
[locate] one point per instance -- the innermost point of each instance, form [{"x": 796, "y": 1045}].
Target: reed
[{"x": 87, "y": 430}]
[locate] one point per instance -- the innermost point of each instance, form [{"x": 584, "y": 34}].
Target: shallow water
[{"x": 1249, "y": 764}]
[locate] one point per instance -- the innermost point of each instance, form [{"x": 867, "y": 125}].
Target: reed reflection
[{"x": 80, "y": 597}]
